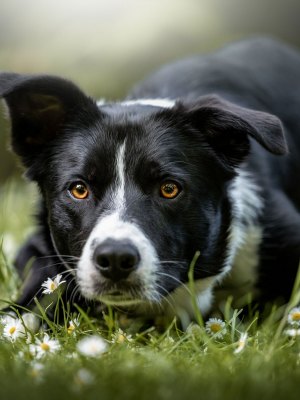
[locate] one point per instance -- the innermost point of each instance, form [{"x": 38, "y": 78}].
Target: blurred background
[{"x": 107, "y": 45}]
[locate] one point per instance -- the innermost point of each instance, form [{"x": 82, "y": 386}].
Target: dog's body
[{"x": 132, "y": 190}]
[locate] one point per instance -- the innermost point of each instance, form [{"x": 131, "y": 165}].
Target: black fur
[{"x": 232, "y": 108}]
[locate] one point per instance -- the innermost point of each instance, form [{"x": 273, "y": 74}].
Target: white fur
[
  {"x": 112, "y": 226},
  {"x": 245, "y": 235},
  {"x": 180, "y": 301},
  {"x": 101, "y": 102},
  {"x": 163, "y": 103},
  {"x": 241, "y": 279},
  {"x": 247, "y": 206},
  {"x": 119, "y": 200}
]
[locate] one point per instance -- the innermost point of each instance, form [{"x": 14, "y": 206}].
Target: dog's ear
[
  {"x": 227, "y": 127},
  {"x": 39, "y": 107}
]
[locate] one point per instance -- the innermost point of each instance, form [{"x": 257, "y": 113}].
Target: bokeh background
[{"x": 107, "y": 45}]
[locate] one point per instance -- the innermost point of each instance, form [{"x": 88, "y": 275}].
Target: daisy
[
  {"x": 44, "y": 346},
  {"x": 121, "y": 337},
  {"x": 9, "y": 244},
  {"x": 51, "y": 285},
  {"x": 241, "y": 343},
  {"x": 73, "y": 325},
  {"x": 292, "y": 332},
  {"x": 194, "y": 329},
  {"x": 92, "y": 346},
  {"x": 36, "y": 371},
  {"x": 13, "y": 328},
  {"x": 31, "y": 322},
  {"x": 6, "y": 318},
  {"x": 294, "y": 316},
  {"x": 215, "y": 327},
  {"x": 84, "y": 377}
]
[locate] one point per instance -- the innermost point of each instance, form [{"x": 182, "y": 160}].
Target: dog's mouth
[
  {"x": 118, "y": 298},
  {"x": 120, "y": 294}
]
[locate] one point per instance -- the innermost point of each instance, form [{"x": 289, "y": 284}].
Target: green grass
[{"x": 150, "y": 364}]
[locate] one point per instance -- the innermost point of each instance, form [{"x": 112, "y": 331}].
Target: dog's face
[
  {"x": 133, "y": 190},
  {"x": 131, "y": 197}
]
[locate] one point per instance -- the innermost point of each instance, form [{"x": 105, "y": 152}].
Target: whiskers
[{"x": 172, "y": 274}]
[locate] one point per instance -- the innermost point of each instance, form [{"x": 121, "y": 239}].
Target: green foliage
[{"x": 142, "y": 363}]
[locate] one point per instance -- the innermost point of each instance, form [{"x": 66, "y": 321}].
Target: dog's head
[{"x": 132, "y": 190}]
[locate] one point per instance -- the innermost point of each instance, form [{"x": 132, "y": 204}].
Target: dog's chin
[
  {"x": 118, "y": 298},
  {"x": 121, "y": 300}
]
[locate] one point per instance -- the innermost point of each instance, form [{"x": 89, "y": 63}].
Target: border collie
[{"x": 203, "y": 156}]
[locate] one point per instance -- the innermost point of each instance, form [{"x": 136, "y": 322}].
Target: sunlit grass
[{"x": 230, "y": 358}]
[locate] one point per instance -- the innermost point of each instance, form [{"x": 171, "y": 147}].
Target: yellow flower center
[
  {"x": 45, "y": 346},
  {"x": 215, "y": 327},
  {"x": 296, "y": 316},
  {"x": 52, "y": 286},
  {"x": 121, "y": 338},
  {"x": 12, "y": 330},
  {"x": 34, "y": 373},
  {"x": 70, "y": 329}
]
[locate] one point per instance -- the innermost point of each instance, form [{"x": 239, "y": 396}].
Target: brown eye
[
  {"x": 79, "y": 190},
  {"x": 169, "y": 190}
]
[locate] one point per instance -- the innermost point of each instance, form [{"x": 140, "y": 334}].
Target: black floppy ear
[
  {"x": 39, "y": 107},
  {"x": 227, "y": 127}
]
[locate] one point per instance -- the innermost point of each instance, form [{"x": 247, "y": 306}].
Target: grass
[{"x": 141, "y": 363}]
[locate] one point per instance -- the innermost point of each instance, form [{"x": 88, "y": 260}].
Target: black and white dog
[{"x": 204, "y": 155}]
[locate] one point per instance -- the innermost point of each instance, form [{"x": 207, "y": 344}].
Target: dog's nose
[{"x": 116, "y": 259}]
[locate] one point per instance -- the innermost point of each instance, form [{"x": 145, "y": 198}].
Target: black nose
[{"x": 116, "y": 259}]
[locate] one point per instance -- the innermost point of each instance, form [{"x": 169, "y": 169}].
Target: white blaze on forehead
[
  {"x": 119, "y": 200},
  {"x": 113, "y": 225}
]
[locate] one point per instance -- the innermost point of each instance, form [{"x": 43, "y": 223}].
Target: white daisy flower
[
  {"x": 294, "y": 317},
  {"x": 51, "y": 285},
  {"x": 92, "y": 346},
  {"x": 36, "y": 371},
  {"x": 4, "y": 319},
  {"x": 121, "y": 337},
  {"x": 292, "y": 332},
  {"x": 9, "y": 244},
  {"x": 44, "y": 346},
  {"x": 13, "y": 328},
  {"x": 241, "y": 343},
  {"x": 215, "y": 327},
  {"x": 84, "y": 377},
  {"x": 31, "y": 322},
  {"x": 194, "y": 329},
  {"x": 73, "y": 325}
]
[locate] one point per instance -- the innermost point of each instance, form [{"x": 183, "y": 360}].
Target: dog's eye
[
  {"x": 169, "y": 190},
  {"x": 79, "y": 190}
]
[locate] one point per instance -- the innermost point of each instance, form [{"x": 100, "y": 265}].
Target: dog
[{"x": 199, "y": 165}]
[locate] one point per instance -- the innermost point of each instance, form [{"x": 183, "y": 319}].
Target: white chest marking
[
  {"x": 247, "y": 206},
  {"x": 245, "y": 235}
]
